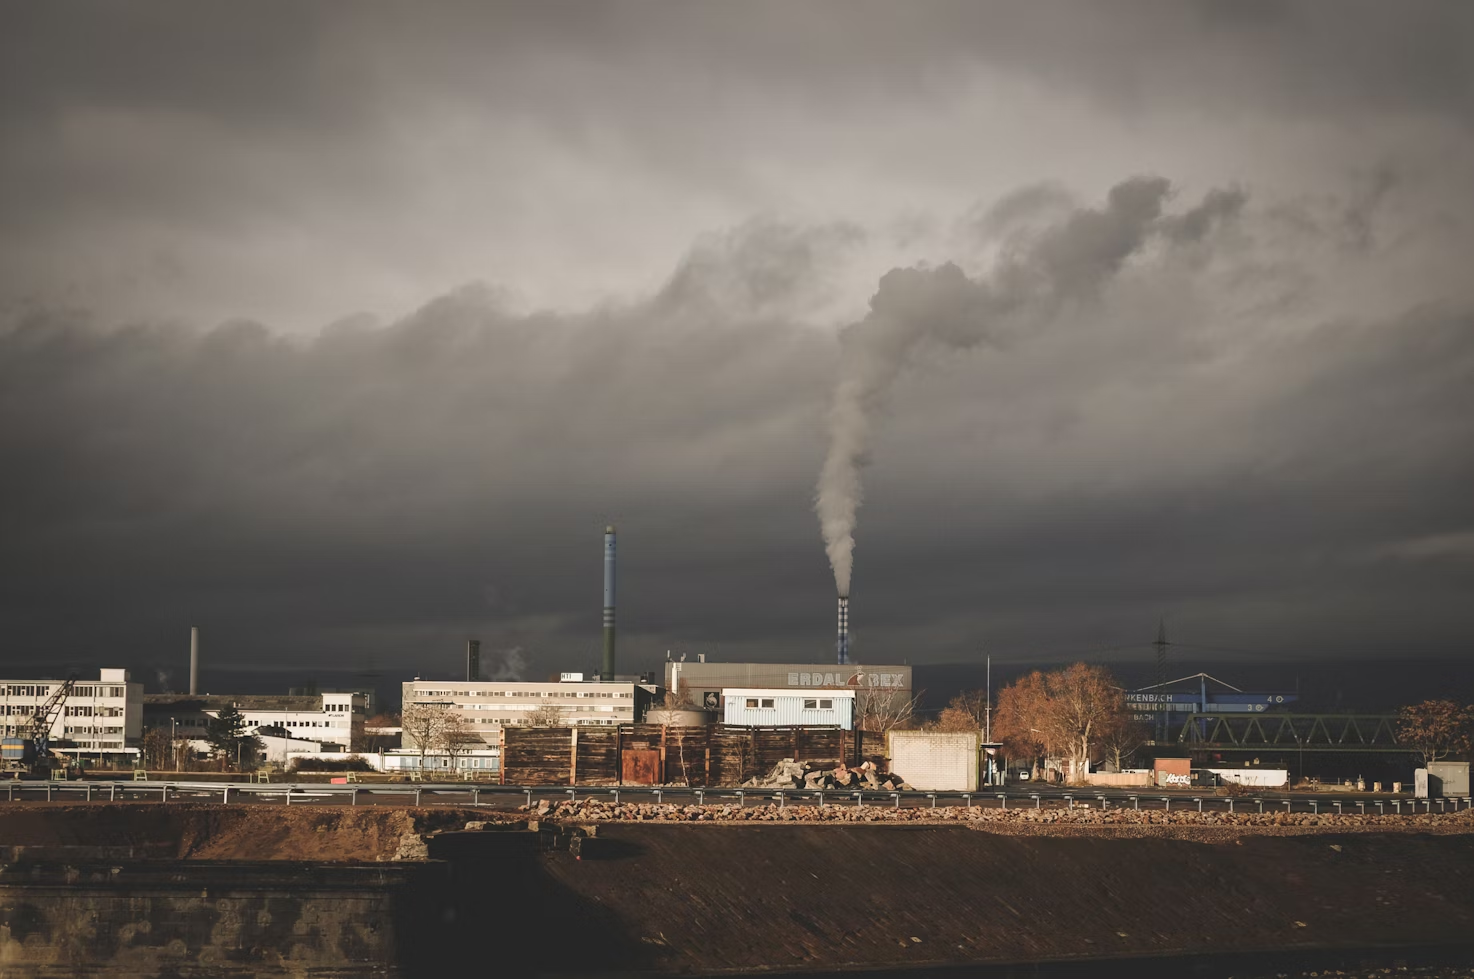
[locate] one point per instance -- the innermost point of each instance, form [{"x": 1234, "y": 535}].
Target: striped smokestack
[
  {"x": 842, "y": 644},
  {"x": 607, "y": 673}
]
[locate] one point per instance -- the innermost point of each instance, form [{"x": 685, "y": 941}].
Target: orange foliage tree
[
  {"x": 1065, "y": 712},
  {"x": 1436, "y": 728},
  {"x": 1016, "y": 721},
  {"x": 964, "y": 713}
]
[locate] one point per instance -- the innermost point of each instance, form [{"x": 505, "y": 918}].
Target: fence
[{"x": 648, "y": 754}]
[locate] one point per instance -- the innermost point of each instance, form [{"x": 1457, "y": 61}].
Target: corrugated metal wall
[{"x": 789, "y": 711}]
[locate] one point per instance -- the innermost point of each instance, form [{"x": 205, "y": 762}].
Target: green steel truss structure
[{"x": 1304, "y": 732}]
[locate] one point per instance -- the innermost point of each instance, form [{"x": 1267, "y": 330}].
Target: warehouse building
[{"x": 703, "y": 682}]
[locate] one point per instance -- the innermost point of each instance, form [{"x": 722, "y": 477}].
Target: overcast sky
[{"x": 341, "y": 330}]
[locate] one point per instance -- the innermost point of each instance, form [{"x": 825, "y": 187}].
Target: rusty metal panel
[{"x": 641, "y": 767}]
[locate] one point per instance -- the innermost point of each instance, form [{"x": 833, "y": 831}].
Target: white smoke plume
[
  {"x": 510, "y": 664},
  {"x": 1067, "y": 261}
]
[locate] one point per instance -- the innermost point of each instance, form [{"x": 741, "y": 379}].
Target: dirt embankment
[
  {"x": 775, "y": 896},
  {"x": 213, "y": 832},
  {"x": 366, "y": 834}
]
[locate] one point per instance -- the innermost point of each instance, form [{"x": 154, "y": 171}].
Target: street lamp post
[{"x": 174, "y": 741}]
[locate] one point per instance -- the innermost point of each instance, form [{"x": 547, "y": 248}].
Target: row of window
[
  {"x": 99, "y": 692},
  {"x": 550, "y": 694},
  {"x": 27, "y": 690},
  {"x": 45, "y": 689},
  {"x": 87, "y": 710},
  {"x": 811, "y": 703},
  {"x": 94, "y": 730}
]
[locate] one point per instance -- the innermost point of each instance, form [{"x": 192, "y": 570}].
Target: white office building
[
  {"x": 96, "y": 718},
  {"x": 487, "y": 706},
  {"x": 331, "y": 721}
]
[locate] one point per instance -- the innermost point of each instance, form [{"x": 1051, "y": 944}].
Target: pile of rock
[
  {"x": 792, "y": 774},
  {"x": 595, "y": 810}
]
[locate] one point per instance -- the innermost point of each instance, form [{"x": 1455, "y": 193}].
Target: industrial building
[
  {"x": 703, "y": 682},
  {"x": 489, "y": 705},
  {"x": 330, "y": 721},
  {"x": 98, "y": 718},
  {"x": 767, "y": 707}
]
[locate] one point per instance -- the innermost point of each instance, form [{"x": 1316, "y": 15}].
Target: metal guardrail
[{"x": 436, "y": 792}]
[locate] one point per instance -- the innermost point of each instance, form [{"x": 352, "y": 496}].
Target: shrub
[{"x": 353, "y": 763}]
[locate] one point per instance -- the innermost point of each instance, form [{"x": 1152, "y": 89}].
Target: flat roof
[
  {"x": 786, "y": 692},
  {"x": 184, "y": 701}
]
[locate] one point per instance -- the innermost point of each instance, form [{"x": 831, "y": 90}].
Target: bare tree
[
  {"x": 456, "y": 737},
  {"x": 680, "y": 697},
  {"x": 546, "y": 715},
  {"x": 157, "y": 749},
  {"x": 422, "y": 724},
  {"x": 1122, "y": 738},
  {"x": 882, "y": 709}
]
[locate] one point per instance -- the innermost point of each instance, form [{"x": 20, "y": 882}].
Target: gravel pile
[{"x": 596, "y": 810}]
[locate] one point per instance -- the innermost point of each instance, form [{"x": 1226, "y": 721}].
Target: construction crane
[
  {"x": 47, "y": 713},
  {"x": 28, "y": 753}
]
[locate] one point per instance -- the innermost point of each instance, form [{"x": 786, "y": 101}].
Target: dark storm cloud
[
  {"x": 1250, "y": 408},
  {"x": 378, "y": 492}
]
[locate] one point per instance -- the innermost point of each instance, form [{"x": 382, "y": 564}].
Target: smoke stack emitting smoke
[
  {"x": 1025, "y": 289},
  {"x": 842, "y": 645}
]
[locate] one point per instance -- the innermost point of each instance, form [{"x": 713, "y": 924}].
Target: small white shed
[{"x": 936, "y": 761}]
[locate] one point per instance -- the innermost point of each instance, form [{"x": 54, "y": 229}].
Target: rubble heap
[
  {"x": 792, "y": 774},
  {"x": 1143, "y": 821}
]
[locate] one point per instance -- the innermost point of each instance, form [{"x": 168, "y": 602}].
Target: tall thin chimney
[
  {"x": 473, "y": 660},
  {"x": 194, "y": 660},
  {"x": 607, "y": 672},
  {"x": 842, "y": 644}
]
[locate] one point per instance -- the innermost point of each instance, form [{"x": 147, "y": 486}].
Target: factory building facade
[
  {"x": 490, "y": 705},
  {"x": 703, "y": 682},
  {"x": 768, "y": 707},
  {"x": 98, "y": 717},
  {"x": 332, "y": 721}
]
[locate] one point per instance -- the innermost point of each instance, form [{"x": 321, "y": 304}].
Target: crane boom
[{"x": 47, "y": 713}]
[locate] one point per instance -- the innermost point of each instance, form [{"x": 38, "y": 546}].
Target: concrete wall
[
  {"x": 1448, "y": 778},
  {"x": 931, "y": 760},
  {"x": 175, "y": 918},
  {"x": 1120, "y": 780},
  {"x": 1264, "y": 778}
]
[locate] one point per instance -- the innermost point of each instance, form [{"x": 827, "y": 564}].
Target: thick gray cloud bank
[{"x": 342, "y": 332}]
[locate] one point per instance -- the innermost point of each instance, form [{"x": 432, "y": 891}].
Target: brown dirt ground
[
  {"x": 214, "y": 832},
  {"x": 337, "y": 834}
]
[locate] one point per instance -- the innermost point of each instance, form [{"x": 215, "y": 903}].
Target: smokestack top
[{"x": 609, "y": 529}]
